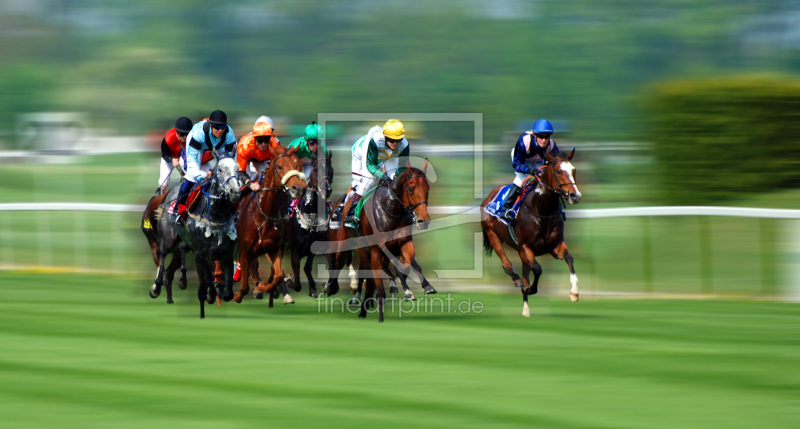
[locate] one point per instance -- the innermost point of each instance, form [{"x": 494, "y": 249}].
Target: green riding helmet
[{"x": 313, "y": 131}]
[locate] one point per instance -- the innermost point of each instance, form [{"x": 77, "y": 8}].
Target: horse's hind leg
[
  {"x": 155, "y": 290},
  {"x": 182, "y": 249},
  {"x": 529, "y": 259},
  {"x": 497, "y": 245},
  {"x": 426, "y": 286},
  {"x": 173, "y": 266},
  {"x": 561, "y": 252}
]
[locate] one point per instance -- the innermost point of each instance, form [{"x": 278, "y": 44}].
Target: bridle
[
  {"x": 317, "y": 180},
  {"x": 406, "y": 208},
  {"x": 559, "y": 189}
]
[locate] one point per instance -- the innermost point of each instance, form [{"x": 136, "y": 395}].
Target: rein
[{"x": 409, "y": 208}]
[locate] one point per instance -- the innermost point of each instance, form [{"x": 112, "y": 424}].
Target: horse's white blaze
[
  {"x": 573, "y": 280},
  {"x": 568, "y": 168},
  {"x": 289, "y": 175},
  {"x": 526, "y": 311}
]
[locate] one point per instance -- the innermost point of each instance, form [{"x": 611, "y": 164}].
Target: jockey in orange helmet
[{"x": 252, "y": 153}]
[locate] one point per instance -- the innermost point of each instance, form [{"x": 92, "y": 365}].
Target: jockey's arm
[
  {"x": 373, "y": 163},
  {"x": 166, "y": 152},
  {"x": 519, "y": 160}
]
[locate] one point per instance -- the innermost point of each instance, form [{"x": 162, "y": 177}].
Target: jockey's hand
[
  {"x": 176, "y": 162},
  {"x": 255, "y": 186},
  {"x": 385, "y": 180}
]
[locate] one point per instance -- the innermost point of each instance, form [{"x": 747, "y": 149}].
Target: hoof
[
  {"x": 519, "y": 284},
  {"x": 362, "y": 315},
  {"x": 429, "y": 290},
  {"x": 291, "y": 284},
  {"x": 275, "y": 293},
  {"x": 331, "y": 288},
  {"x": 573, "y": 297},
  {"x": 312, "y": 293},
  {"x": 354, "y": 302},
  {"x": 287, "y": 300},
  {"x": 211, "y": 295},
  {"x": 237, "y": 297},
  {"x": 258, "y": 295},
  {"x": 393, "y": 290},
  {"x": 169, "y": 301},
  {"x": 526, "y": 312},
  {"x": 182, "y": 283},
  {"x": 410, "y": 296},
  {"x": 155, "y": 291}
]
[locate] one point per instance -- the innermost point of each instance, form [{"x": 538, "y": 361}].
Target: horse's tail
[{"x": 487, "y": 246}]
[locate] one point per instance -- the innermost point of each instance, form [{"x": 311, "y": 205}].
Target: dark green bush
[{"x": 717, "y": 140}]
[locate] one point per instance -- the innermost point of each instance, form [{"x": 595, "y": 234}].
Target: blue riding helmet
[{"x": 543, "y": 126}]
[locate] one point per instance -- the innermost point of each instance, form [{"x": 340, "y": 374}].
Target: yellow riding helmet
[{"x": 394, "y": 129}]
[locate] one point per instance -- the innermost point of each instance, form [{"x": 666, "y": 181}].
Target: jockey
[
  {"x": 213, "y": 133},
  {"x": 253, "y": 155},
  {"x": 380, "y": 147},
  {"x": 172, "y": 145},
  {"x": 309, "y": 145},
  {"x": 527, "y": 158}
]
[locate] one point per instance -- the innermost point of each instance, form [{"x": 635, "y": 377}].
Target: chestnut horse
[
  {"x": 539, "y": 227},
  {"x": 261, "y": 223},
  {"x": 386, "y": 223}
]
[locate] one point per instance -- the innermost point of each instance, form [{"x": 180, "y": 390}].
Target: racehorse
[
  {"x": 539, "y": 227},
  {"x": 210, "y": 231},
  {"x": 261, "y": 223},
  {"x": 164, "y": 240},
  {"x": 386, "y": 223},
  {"x": 309, "y": 223}
]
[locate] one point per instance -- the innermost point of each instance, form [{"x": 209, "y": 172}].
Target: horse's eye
[{"x": 280, "y": 167}]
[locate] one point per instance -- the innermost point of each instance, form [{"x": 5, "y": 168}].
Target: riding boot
[
  {"x": 351, "y": 221},
  {"x": 179, "y": 214},
  {"x": 506, "y": 210}
]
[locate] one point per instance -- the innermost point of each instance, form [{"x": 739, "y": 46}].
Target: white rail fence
[{"x": 71, "y": 230}]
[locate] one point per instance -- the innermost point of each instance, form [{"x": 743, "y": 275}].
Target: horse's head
[
  {"x": 561, "y": 177},
  {"x": 286, "y": 167},
  {"x": 413, "y": 187},
  {"x": 227, "y": 178},
  {"x": 322, "y": 175}
]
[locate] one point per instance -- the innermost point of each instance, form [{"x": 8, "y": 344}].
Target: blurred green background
[{"x": 667, "y": 102}]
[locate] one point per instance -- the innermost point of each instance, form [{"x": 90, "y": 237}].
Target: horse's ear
[
  {"x": 408, "y": 164},
  {"x": 571, "y": 153},
  {"x": 293, "y": 150},
  {"x": 425, "y": 166}
]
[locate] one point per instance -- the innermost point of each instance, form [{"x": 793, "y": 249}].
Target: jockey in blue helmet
[{"x": 527, "y": 157}]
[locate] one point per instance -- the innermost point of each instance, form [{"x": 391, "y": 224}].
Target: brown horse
[
  {"x": 386, "y": 223},
  {"x": 261, "y": 224},
  {"x": 539, "y": 227}
]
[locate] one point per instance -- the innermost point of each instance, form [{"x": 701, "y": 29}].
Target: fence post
[
  {"x": 705, "y": 254},
  {"x": 766, "y": 240},
  {"x": 647, "y": 269}
]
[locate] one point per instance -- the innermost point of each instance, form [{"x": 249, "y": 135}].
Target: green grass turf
[{"x": 91, "y": 351}]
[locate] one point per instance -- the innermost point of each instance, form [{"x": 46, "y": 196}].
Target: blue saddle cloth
[{"x": 494, "y": 207}]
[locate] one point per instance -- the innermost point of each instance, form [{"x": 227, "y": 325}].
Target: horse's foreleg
[
  {"x": 244, "y": 289},
  {"x": 377, "y": 274},
  {"x": 227, "y": 276},
  {"x": 276, "y": 257},
  {"x": 308, "y": 268},
  {"x": 561, "y": 252},
  {"x": 296, "y": 270},
  {"x": 202, "y": 281}
]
